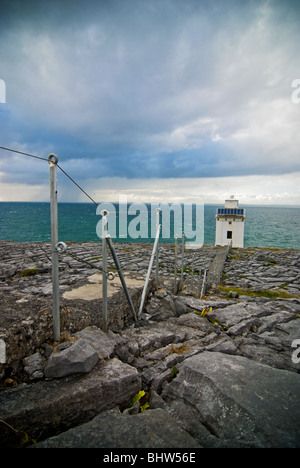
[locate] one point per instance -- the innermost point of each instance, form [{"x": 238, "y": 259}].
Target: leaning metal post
[
  {"x": 54, "y": 251},
  {"x": 157, "y": 250},
  {"x": 149, "y": 270},
  {"x": 104, "y": 214},
  {"x": 117, "y": 263}
]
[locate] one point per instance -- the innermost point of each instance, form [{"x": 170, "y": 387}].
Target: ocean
[{"x": 265, "y": 226}]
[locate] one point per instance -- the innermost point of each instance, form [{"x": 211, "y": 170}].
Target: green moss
[
  {"x": 271, "y": 294},
  {"x": 174, "y": 372},
  {"x": 234, "y": 257},
  {"x": 29, "y": 272}
]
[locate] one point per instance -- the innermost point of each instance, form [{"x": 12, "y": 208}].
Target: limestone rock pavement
[{"x": 220, "y": 371}]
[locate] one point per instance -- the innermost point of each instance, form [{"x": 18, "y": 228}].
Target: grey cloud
[{"x": 168, "y": 88}]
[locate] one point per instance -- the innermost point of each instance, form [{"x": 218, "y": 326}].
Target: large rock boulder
[
  {"x": 47, "y": 407},
  {"x": 240, "y": 401},
  {"x": 82, "y": 355},
  {"x": 111, "y": 429},
  {"x": 103, "y": 343},
  {"x": 79, "y": 357}
]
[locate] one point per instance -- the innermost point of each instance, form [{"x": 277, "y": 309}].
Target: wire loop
[{"x": 53, "y": 158}]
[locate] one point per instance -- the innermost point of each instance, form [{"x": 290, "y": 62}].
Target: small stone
[
  {"x": 135, "y": 408},
  {"x": 64, "y": 345},
  {"x": 34, "y": 366},
  {"x": 47, "y": 350},
  {"x": 233, "y": 294},
  {"x": 180, "y": 308},
  {"x": 80, "y": 357}
]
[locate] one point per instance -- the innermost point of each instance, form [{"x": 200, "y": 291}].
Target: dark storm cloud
[{"x": 151, "y": 88}]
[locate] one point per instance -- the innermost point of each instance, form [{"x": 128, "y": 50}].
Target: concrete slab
[{"x": 93, "y": 289}]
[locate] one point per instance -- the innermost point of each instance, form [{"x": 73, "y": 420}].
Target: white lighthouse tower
[{"x": 230, "y": 222}]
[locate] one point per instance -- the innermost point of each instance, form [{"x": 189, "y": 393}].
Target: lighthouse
[{"x": 230, "y": 222}]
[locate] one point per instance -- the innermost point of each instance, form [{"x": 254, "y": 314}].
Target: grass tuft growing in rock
[{"x": 255, "y": 293}]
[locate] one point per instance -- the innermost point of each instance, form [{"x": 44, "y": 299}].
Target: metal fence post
[
  {"x": 199, "y": 283},
  {"x": 117, "y": 263},
  {"x": 104, "y": 214},
  {"x": 149, "y": 271},
  {"x": 182, "y": 261},
  {"x": 175, "y": 265},
  {"x": 54, "y": 252},
  {"x": 192, "y": 277},
  {"x": 157, "y": 250},
  {"x": 203, "y": 291}
]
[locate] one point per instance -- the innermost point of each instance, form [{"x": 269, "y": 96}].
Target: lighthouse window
[
  {"x": 229, "y": 234},
  {"x": 231, "y": 211}
]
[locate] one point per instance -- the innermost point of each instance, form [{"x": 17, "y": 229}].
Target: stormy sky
[{"x": 159, "y": 100}]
